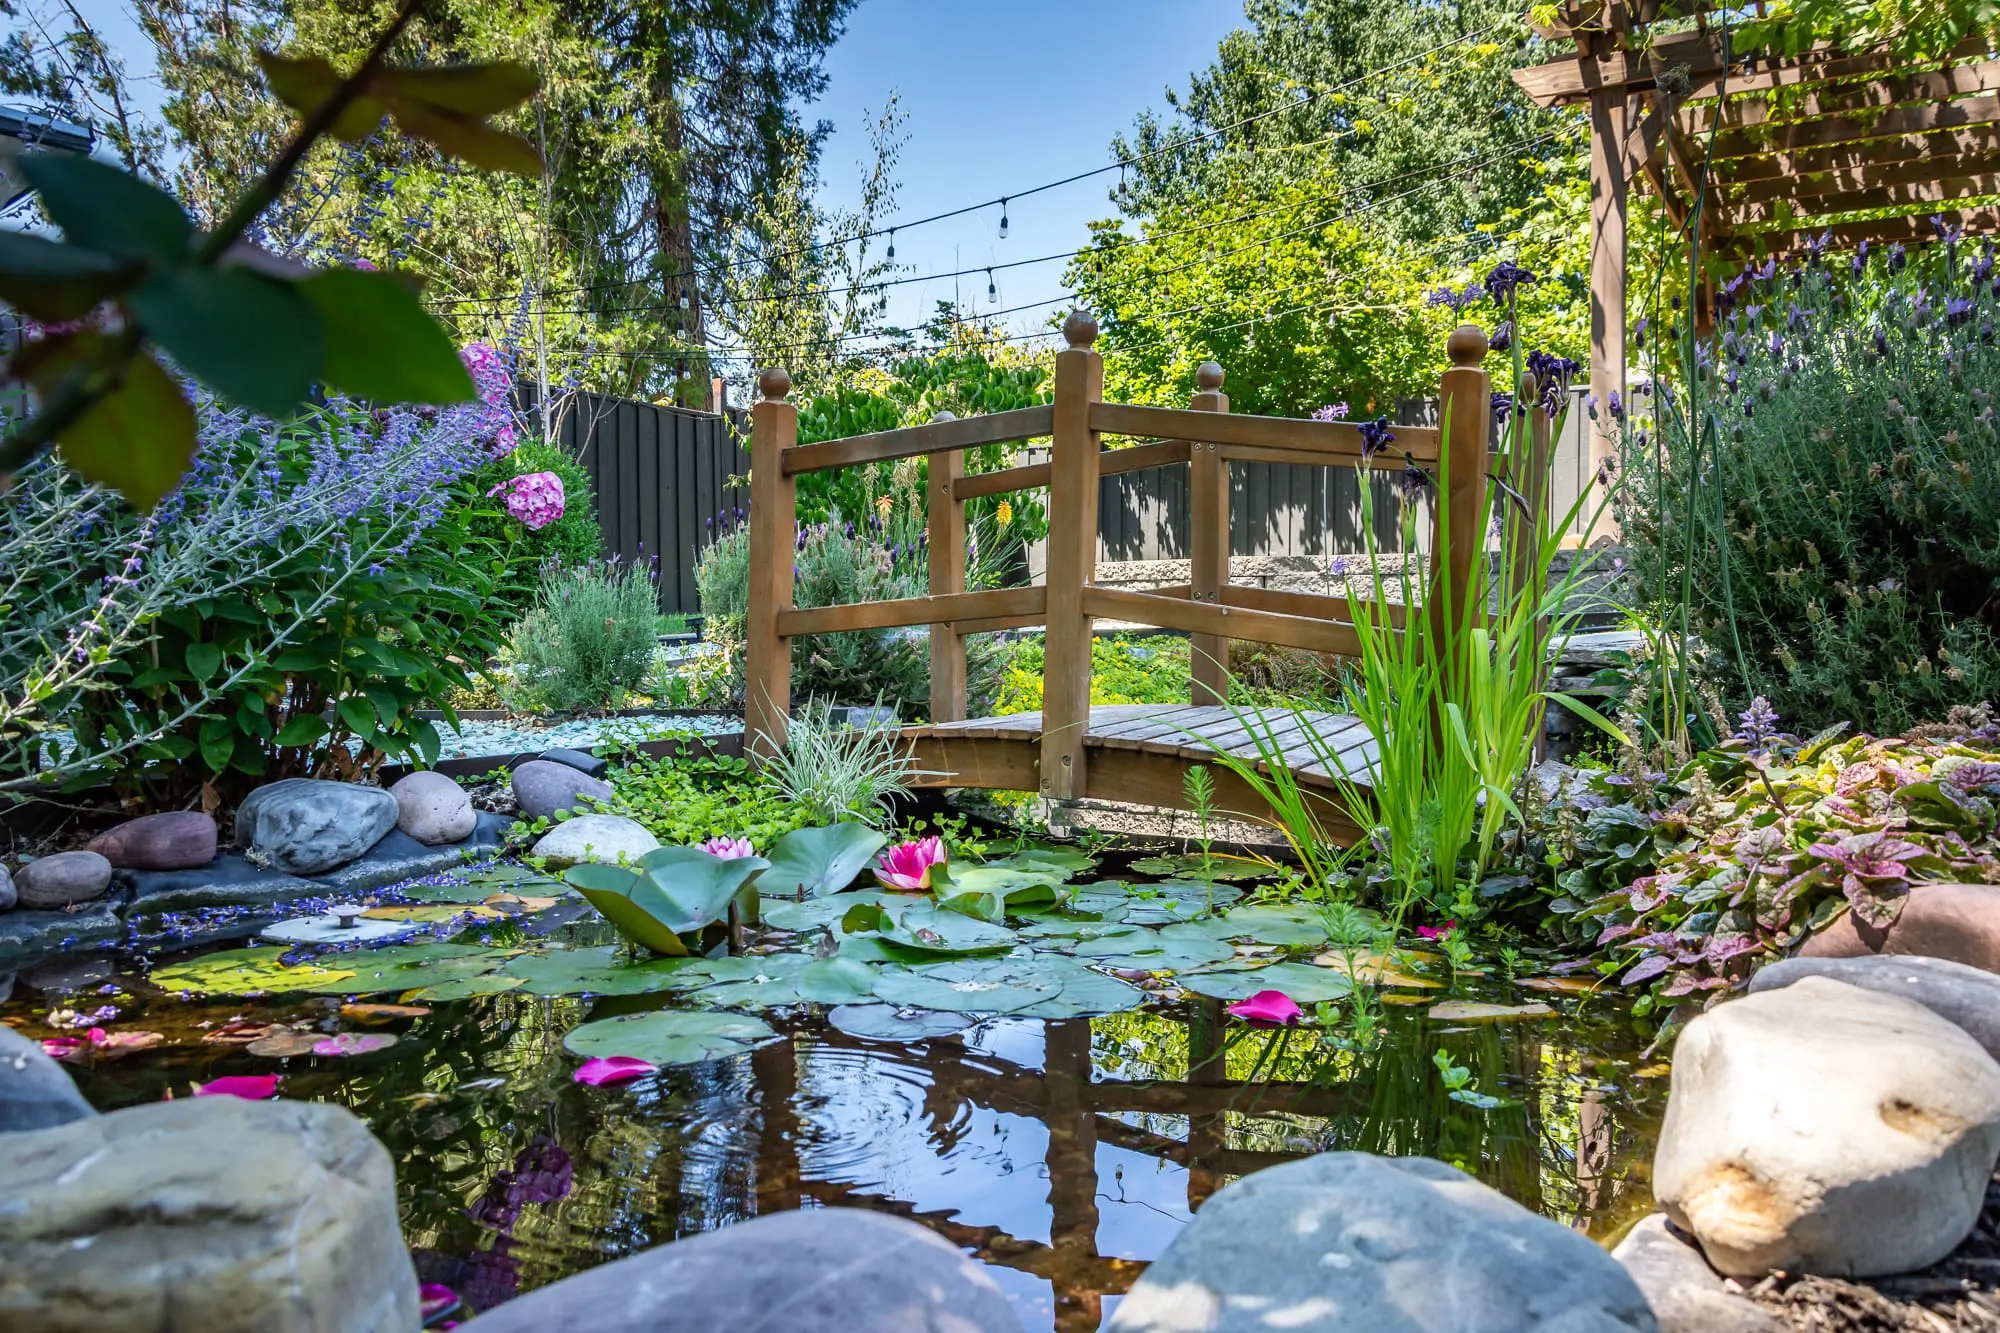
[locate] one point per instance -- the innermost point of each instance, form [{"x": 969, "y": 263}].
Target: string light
[
  {"x": 1003, "y": 217},
  {"x": 892, "y": 245},
  {"x": 992, "y": 292}
]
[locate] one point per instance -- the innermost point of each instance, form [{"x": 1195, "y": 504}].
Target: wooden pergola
[{"x": 1765, "y": 155}]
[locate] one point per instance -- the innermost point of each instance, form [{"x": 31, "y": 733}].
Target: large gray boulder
[
  {"x": 1348, "y": 1241},
  {"x": 303, "y": 826},
  {"x": 1687, "y": 1295},
  {"x": 542, "y": 788},
  {"x": 1965, "y": 995},
  {"x": 1822, "y": 1128},
  {"x": 833, "y": 1270},
  {"x": 433, "y": 809},
  {"x": 35, "y": 1091},
  {"x": 605, "y": 838},
  {"x": 55, "y": 883},
  {"x": 206, "y": 1213},
  {"x": 9, "y": 895}
]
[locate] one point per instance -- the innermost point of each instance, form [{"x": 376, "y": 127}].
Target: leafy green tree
[{"x": 55, "y": 57}]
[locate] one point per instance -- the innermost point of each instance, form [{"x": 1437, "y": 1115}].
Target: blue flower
[
  {"x": 1506, "y": 278},
  {"x": 1376, "y": 436},
  {"x": 1503, "y": 337}
]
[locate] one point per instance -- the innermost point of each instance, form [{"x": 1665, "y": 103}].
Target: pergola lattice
[{"x": 1766, "y": 153}]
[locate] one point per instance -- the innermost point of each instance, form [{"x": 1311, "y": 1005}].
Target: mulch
[{"x": 1961, "y": 1292}]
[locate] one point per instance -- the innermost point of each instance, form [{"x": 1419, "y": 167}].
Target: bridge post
[
  {"x": 1072, "y": 561},
  {"x": 945, "y": 540},
  {"x": 1458, "y": 535},
  {"x": 1208, "y": 540},
  {"x": 767, "y": 654}
]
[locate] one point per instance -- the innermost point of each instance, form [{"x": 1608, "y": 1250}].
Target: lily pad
[
  {"x": 1275, "y": 923},
  {"x": 382, "y": 1013},
  {"x": 1139, "y": 948},
  {"x": 285, "y": 1043},
  {"x": 887, "y": 1022},
  {"x": 1218, "y": 867},
  {"x": 1471, "y": 1011},
  {"x": 923, "y": 926},
  {"x": 1165, "y": 903},
  {"x": 1034, "y": 985},
  {"x": 1300, "y": 981},
  {"x": 816, "y": 861},
  {"x": 817, "y": 913},
  {"x": 466, "y": 988},
  {"x": 1045, "y": 856},
  {"x": 672, "y": 892},
  {"x": 838, "y": 981},
  {"x": 1561, "y": 985},
  {"x": 410, "y": 966},
  {"x": 591, "y": 972},
  {"x": 1376, "y": 969},
  {"x": 670, "y": 1037},
  {"x": 246, "y": 972},
  {"x": 434, "y": 914}
]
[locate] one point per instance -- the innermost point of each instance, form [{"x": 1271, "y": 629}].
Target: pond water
[{"x": 1062, "y": 1154}]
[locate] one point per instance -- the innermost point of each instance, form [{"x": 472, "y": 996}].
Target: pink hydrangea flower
[
  {"x": 535, "y": 498},
  {"x": 908, "y": 865},
  {"x": 729, "y": 849},
  {"x": 1269, "y": 1009}
]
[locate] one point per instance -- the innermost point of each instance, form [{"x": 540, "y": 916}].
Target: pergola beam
[
  {"x": 1800, "y": 209},
  {"x": 1908, "y": 229},
  {"x": 1892, "y": 123},
  {"x": 1698, "y": 57},
  {"x": 1858, "y": 176},
  {"x": 1851, "y": 99}
]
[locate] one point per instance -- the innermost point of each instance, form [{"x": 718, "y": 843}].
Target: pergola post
[{"x": 1609, "y": 197}]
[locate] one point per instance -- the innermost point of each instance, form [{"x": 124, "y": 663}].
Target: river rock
[
  {"x": 176, "y": 840},
  {"x": 9, "y": 895},
  {"x": 1687, "y": 1295},
  {"x": 28, "y": 937},
  {"x": 35, "y": 1091},
  {"x": 826, "y": 1270},
  {"x": 1345, "y": 1241},
  {"x": 1967, "y": 996},
  {"x": 62, "y": 880},
  {"x": 594, "y": 838},
  {"x": 542, "y": 788},
  {"x": 207, "y": 1213},
  {"x": 1960, "y": 922},
  {"x": 589, "y": 765},
  {"x": 1822, "y": 1128},
  {"x": 433, "y": 809},
  {"x": 304, "y": 826}
]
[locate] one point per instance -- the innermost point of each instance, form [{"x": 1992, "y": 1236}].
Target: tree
[{"x": 58, "y": 59}]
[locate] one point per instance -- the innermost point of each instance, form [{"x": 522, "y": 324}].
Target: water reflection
[{"x": 1064, "y": 1154}]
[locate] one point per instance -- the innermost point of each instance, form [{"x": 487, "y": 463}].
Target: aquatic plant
[
  {"x": 835, "y": 772},
  {"x": 728, "y": 849},
  {"x": 908, "y": 866}
]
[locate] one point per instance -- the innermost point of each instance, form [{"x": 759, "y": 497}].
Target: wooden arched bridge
[{"x": 1132, "y": 753}]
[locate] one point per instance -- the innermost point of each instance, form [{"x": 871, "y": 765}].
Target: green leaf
[
  {"x": 137, "y": 439},
  {"x": 468, "y": 138},
  {"x": 218, "y": 742},
  {"x": 1041, "y": 985},
  {"x": 303, "y": 729},
  {"x": 203, "y": 660},
  {"x": 591, "y": 972},
  {"x": 54, "y": 282},
  {"x": 356, "y": 713},
  {"x": 245, "y": 972},
  {"x": 303, "y": 84},
  {"x": 102, "y": 208},
  {"x": 815, "y": 861},
  {"x": 472, "y": 90},
  {"x": 380, "y": 343},
  {"x": 670, "y": 1037},
  {"x": 255, "y": 339}
]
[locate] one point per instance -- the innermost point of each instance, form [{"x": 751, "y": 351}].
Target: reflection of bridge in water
[{"x": 1398, "y": 1106}]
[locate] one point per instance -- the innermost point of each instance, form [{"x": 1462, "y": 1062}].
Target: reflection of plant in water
[{"x": 1459, "y": 1082}]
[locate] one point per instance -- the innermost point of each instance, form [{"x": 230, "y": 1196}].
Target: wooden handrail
[
  {"x": 942, "y": 608},
  {"x": 1023, "y": 423},
  {"x": 1223, "y": 622},
  {"x": 1328, "y": 443},
  {"x": 1110, "y": 463},
  {"x": 1312, "y": 605}
]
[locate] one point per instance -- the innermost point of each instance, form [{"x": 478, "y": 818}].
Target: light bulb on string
[
  {"x": 1003, "y": 217},
  {"x": 684, "y": 300},
  {"x": 992, "y": 292},
  {"x": 892, "y": 243}
]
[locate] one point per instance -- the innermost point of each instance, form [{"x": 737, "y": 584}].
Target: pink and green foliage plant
[
  {"x": 907, "y": 867},
  {"x": 1695, "y": 879}
]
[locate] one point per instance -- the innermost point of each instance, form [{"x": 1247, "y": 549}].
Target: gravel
[{"x": 477, "y": 739}]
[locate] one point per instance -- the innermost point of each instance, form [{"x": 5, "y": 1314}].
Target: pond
[{"x": 1062, "y": 1153}]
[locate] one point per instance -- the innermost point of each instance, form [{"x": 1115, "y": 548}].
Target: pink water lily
[
  {"x": 1269, "y": 1009},
  {"x": 601, "y": 1070},
  {"x": 435, "y": 1299},
  {"x": 907, "y": 866},
  {"x": 250, "y": 1087},
  {"x": 729, "y": 849},
  {"x": 1437, "y": 932},
  {"x": 65, "y": 1048}
]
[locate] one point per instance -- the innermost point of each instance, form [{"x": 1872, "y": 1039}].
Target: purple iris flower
[{"x": 1376, "y": 436}]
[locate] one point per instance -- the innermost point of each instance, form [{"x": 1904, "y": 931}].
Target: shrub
[
  {"x": 572, "y": 540},
  {"x": 1833, "y": 525},
  {"x": 589, "y": 640},
  {"x": 1153, "y": 670},
  {"x": 835, "y": 772}
]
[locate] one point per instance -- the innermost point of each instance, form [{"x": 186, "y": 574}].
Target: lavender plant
[{"x": 1817, "y": 500}]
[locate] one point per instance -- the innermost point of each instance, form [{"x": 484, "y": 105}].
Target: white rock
[
  {"x": 595, "y": 838},
  {"x": 1821, "y": 1128},
  {"x": 433, "y": 809}
]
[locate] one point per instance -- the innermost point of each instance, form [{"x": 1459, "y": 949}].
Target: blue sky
[{"x": 997, "y": 96}]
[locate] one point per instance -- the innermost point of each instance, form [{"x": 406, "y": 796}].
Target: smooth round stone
[
  {"x": 1960, "y": 922},
  {"x": 542, "y": 789},
  {"x": 62, "y": 880},
  {"x": 1967, "y": 996},
  {"x": 589, "y": 765},
  {"x": 433, "y": 809},
  {"x": 594, "y": 838},
  {"x": 303, "y": 826},
  {"x": 9, "y": 895},
  {"x": 176, "y": 840},
  {"x": 1687, "y": 1295},
  {"x": 35, "y": 1091}
]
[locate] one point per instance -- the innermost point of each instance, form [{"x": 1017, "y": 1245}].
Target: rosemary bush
[
  {"x": 1822, "y": 499},
  {"x": 589, "y": 640}
]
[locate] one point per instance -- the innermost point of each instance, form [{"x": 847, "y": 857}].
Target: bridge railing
[{"x": 1207, "y": 439}]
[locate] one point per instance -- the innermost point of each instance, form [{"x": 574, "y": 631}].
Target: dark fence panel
[{"x": 660, "y": 473}]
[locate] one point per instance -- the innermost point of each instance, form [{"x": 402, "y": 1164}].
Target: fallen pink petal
[
  {"x": 600, "y": 1071},
  {"x": 1437, "y": 932},
  {"x": 908, "y": 865},
  {"x": 250, "y": 1087},
  {"x": 1269, "y": 1009}
]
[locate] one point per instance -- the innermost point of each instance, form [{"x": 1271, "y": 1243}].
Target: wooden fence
[{"x": 662, "y": 476}]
